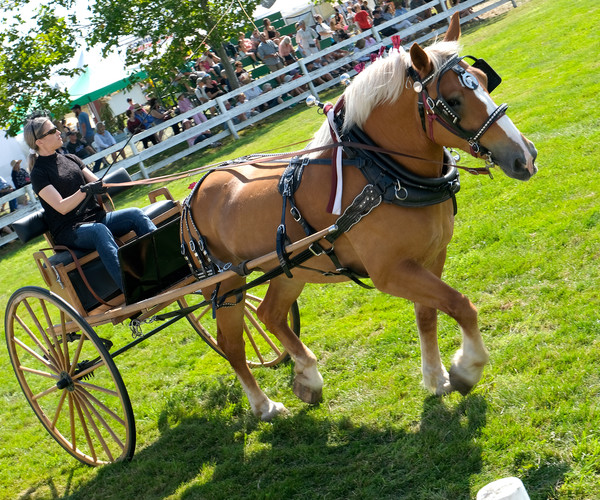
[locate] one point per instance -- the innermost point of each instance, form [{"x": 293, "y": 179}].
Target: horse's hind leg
[
  {"x": 230, "y": 338},
  {"x": 273, "y": 312}
]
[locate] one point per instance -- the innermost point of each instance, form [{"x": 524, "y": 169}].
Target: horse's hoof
[
  {"x": 274, "y": 410},
  {"x": 459, "y": 383},
  {"x": 306, "y": 394}
]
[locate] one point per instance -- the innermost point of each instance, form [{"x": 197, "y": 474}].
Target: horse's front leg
[
  {"x": 435, "y": 375},
  {"x": 419, "y": 285}
]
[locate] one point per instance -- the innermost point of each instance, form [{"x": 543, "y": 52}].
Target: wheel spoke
[
  {"x": 253, "y": 342},
  {"x": 258, "y": 327},
  {"x": 98, "y": 388},
  {"x": 35, "y": 355},
  {"x": 85, "y": 408},
  {"x": 88, "y": 401},
  {"x": 54, "y": 346},
  {"x": 37, "y": 342},
  {"x": 50, "y": 351},
  {"x": 82, "y": 421},
  {"x": 38, "y": 372},
  {"x": 61, "y": 402}
]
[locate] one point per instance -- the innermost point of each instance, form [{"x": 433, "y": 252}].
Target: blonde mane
[{"x": 381, "y": 82}]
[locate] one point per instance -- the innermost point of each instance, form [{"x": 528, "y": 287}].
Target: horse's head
[{"x": 458, "y": 110}]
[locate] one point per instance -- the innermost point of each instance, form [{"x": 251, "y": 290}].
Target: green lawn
[{"x": 527, "y": 254}]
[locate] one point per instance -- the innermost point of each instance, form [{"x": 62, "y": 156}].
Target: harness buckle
[
  {"x": 400, "y": 192},
  {"x": 316, "y": 249},
  {"x": 296, "y": 214}
]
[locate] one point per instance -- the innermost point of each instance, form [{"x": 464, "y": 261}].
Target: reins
[{"x": 275, "y": 158}]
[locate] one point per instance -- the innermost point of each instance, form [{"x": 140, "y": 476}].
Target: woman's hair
[
  {"x": 33, "y": 129},
  {"x": 266, "y": 21},
  {"x": 285, "y": 40}
]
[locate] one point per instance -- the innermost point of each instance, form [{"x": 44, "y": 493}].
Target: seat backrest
[{"x": 31, "y": 226}]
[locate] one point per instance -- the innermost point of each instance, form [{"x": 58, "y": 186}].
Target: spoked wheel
[
  {"x": 69, "y": 377},
  {"x": 262, "y": 348}
]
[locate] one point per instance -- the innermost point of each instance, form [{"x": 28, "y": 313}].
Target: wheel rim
[
  {"x": 69, "y": 377},
  {"x": 262, "y": 348}
]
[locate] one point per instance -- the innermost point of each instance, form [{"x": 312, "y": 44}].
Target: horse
[{"x": 411, "y": 105}]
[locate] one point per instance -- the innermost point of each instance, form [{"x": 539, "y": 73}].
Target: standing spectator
[
  {"x": 269, "y": 54},
  {"x": 362, "y": 18},
  {"x": 184, "y": 104},
  {"x": 307, "y": 39},
  {"x": 104, "y": 140},
  {"x": 323, "y": 30},
  {"x": 85, "y": 127}
]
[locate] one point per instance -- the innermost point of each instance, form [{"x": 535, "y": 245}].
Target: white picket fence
[{"x": 420, "y": 32}]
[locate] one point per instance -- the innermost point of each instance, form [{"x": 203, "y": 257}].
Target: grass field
[{"x": 527, "y": 254}]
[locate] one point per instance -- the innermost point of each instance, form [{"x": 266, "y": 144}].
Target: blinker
[{"x": 493, "y": 78}]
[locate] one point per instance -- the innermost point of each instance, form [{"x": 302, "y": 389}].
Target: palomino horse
[{"x": 410, "y": 105}]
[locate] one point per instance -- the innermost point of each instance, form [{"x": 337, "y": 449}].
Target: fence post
[
  {"x": 135, "y": 152},
  {"x": 376, "y": 34},
  {"x": 310, "y": 83},
  {"x": 230, "y": 125}
]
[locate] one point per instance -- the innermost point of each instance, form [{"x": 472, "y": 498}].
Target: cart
[{"x": 68, "y": 372}]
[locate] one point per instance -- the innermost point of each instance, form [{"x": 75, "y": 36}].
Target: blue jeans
[{"x": 99, "y": 236}]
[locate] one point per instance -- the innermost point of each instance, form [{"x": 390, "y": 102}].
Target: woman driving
[{"x": 63, "y": 183}]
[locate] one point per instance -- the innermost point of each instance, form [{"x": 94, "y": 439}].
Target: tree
[
  {"x": 28, "y": 61},
  {"x": 178, "y": 30}
]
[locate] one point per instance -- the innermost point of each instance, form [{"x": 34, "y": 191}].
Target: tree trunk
[{"x": 221, "y": 52}]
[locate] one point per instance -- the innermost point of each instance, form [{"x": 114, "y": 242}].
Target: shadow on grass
[{"x": 214, "y": 449}]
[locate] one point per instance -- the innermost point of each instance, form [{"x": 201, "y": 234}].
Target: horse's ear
[
  {"x": 420, "y": 60},
  {"x": 453, "y": 33}
]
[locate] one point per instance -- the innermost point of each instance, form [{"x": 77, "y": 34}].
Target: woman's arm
[{"x": 65, "y": 205}]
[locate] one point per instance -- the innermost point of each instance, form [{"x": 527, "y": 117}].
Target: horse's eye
[{"x": 453, "y": 102}]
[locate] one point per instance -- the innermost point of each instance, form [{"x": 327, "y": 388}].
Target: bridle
[{"x": 439, "y": 110}]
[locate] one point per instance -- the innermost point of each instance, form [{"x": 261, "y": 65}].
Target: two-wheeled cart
[{"x": 68, "y": 372}]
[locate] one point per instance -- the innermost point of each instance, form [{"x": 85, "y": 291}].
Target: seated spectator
[
  {"x": 358, "y": 46},
  {"x": 252, "y": 92},
  {"x": 20, "y": 178},
  {"x": 187, "y": 124},
  {"x": 426, "y": 14},
  {"x": 319, "y": 80},
  {"x": 6, "y": 188},
  {"x": 239, "y": 70},
  {"x": 270, "y": 32},
  {"x": 158, "y": 115},
  {"x": 255, "y": 38},
  {"x": 135, "y": 126},
  {"x": 210, "y": 63},
  {"x": 378, "y": 19},
  {"x": 199, "y": 91},
  {"x": 80, "y": 149},
  {"x": 339, "y": 33},
  {"x": 223, "y": 82},
  {"x": 267, "y": 87},
  {"x": 389, "y": 11},
  {"x": 211, "y": 88},
  {"x": 247, "y": 46},
  {"x": 241, "y": 99},
  {"x": 287, "y": 51},
  {"x": 269, "y": 54},
  {"x": 104, "y": 140}
]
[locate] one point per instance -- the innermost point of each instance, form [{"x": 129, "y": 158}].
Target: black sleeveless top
[{"x": 64, "y": 172}]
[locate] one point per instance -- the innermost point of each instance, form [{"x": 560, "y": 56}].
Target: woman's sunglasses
[{"x": 50, "y": 132}]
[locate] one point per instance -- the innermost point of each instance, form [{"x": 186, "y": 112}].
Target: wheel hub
[{"x": 65, "y": 382}]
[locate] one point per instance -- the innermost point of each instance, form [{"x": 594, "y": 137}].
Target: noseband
[{"x": 439, "y": 110}]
